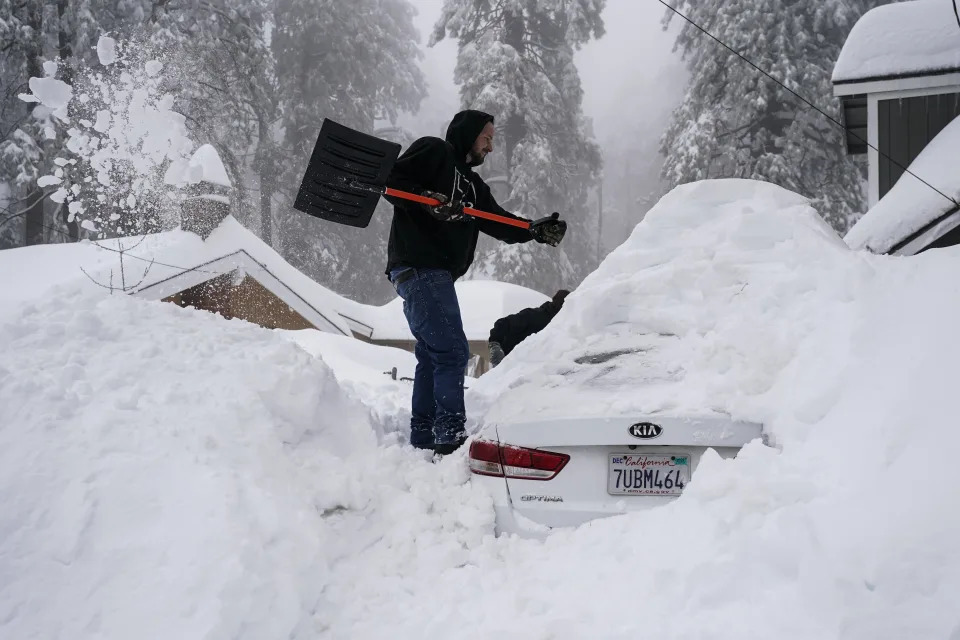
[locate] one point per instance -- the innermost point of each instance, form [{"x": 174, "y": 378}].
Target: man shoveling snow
[{"x": 430, "y": 247}]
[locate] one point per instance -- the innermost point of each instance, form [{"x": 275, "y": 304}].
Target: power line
[
  {"x": 812, "y": 105},
  {"x": 955, "y": 12}
]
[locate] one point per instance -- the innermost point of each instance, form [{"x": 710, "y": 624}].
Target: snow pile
[
  {"x": 847, "y": 531},
  {"x": 168, "y": 474},
  {"x": 906, "y": 38},
  {"x": 911, "y": 205},
  {"x": 366, "y": 371},
  {"x": 725, "y": 285}
]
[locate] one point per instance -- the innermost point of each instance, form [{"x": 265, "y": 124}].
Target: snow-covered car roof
[
  {"x": 695, "y": 314},
  {"x": 911, "y": 205},
  {"x": 899, "y": 40}
]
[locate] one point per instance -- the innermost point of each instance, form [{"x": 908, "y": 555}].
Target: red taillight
[
  {"x": 485, "y": 458},
  {"x": 490, "y": 459}
]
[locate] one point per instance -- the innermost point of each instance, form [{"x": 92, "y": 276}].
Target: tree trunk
[
  {"x": 265, "y": 171},
  {"x": 66, "y": 52},
  {"x": 515, "y": 127},
  {"x": 34, "y": 56}
]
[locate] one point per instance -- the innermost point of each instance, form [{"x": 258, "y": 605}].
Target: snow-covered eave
[
  {"x": 932, "y": 80},
  {"x": 239, "y": 259}
]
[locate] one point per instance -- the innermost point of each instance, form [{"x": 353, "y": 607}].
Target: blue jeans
[{"x": 433, "y": 313}]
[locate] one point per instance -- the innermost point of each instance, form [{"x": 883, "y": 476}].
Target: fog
[{"x": 631, "y": 79}]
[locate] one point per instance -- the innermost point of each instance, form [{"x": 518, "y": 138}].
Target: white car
[{"x": 561, "y": 473}]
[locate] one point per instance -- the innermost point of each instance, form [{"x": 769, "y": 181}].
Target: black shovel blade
[{"x": 346, "y": 175}]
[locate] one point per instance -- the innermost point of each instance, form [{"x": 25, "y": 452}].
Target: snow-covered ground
[{"x": 165, "y": 473}]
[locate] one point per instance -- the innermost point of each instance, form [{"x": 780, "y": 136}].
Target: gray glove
[
  {"x": 446, "y": 211},
  {"x": 496, "y": 353},
  {"x": 549, "y": 230}
]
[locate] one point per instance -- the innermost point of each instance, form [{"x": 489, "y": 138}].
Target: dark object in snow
[
  {"x": 511, "y": 330},
  {"x": 496, "y": 353},
  {"x": 600, "y": 358},
  {"x": 446, "y": 448}
]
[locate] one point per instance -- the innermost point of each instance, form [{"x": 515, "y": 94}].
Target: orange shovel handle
[{"x": 476, "y": 213}]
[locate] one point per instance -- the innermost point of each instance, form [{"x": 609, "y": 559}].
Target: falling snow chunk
[
  {"x": 47, "y": 181},
  {"x": 58, "y": 173},
  {"x": 107, "y": 50},
  {"x": 60, "y": 162},
  {"x": 75, "y": 189},
  {"x": 113, "y": 216},
  {"x": 26, "y": 97},
  {"x": 131, "y": 201},
  {"x": 59, "y": 196},
  {"x": 103, "y": 121},
  {"x": 50, "y": 68},
  {"x": 51, "y": 92},
  {"x": 75, "y": 208},
  {"x": 89, "y": 225},
  {"x": 49, "y": 133},
  {"x": 153, "y": 68},
  {"x": 86, "y": 123}
]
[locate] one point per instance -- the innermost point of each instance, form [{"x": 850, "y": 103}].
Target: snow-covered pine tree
[
  {"x": 227, "y": 88},
  {"x": 515, "y": 61},
  {"x": 33, "y": 32},
  {"x": 736, "y": 123},
  {"x": 356, "y": 63}
]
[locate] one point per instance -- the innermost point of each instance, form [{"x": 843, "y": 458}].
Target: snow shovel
[{"x": 348, "y": 173}]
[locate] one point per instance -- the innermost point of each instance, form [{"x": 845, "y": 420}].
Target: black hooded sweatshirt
[{"x": 417, "y": 239}]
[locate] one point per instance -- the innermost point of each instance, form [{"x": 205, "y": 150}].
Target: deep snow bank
[{"x": 165, "y": 473}]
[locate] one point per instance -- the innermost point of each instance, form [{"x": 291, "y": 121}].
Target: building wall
[
  {"x": 905, "y": 126},
  {"x": 247, "y": 300}
]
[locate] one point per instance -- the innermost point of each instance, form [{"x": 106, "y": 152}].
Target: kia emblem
[{"x": 645, "y": 430}]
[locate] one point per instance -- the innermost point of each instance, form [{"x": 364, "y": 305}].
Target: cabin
[{"x": 898, "y": 79}]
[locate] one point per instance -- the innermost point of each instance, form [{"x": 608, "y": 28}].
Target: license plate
[{"x": 641, "y": 474}]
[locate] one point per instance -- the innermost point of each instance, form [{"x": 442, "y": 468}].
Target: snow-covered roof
[
  {"x": 900, "y": 40},
  {"x": 159, "y": 265},
  {"x": 482, "y": 302},
  {"x": 911, "y": 205},
  {"x": 696, "y": 314}
]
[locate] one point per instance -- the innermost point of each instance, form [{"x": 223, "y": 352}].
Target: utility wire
[
  {"x": 800, "y": 97},
  {"x": 955, "y": 12}
]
